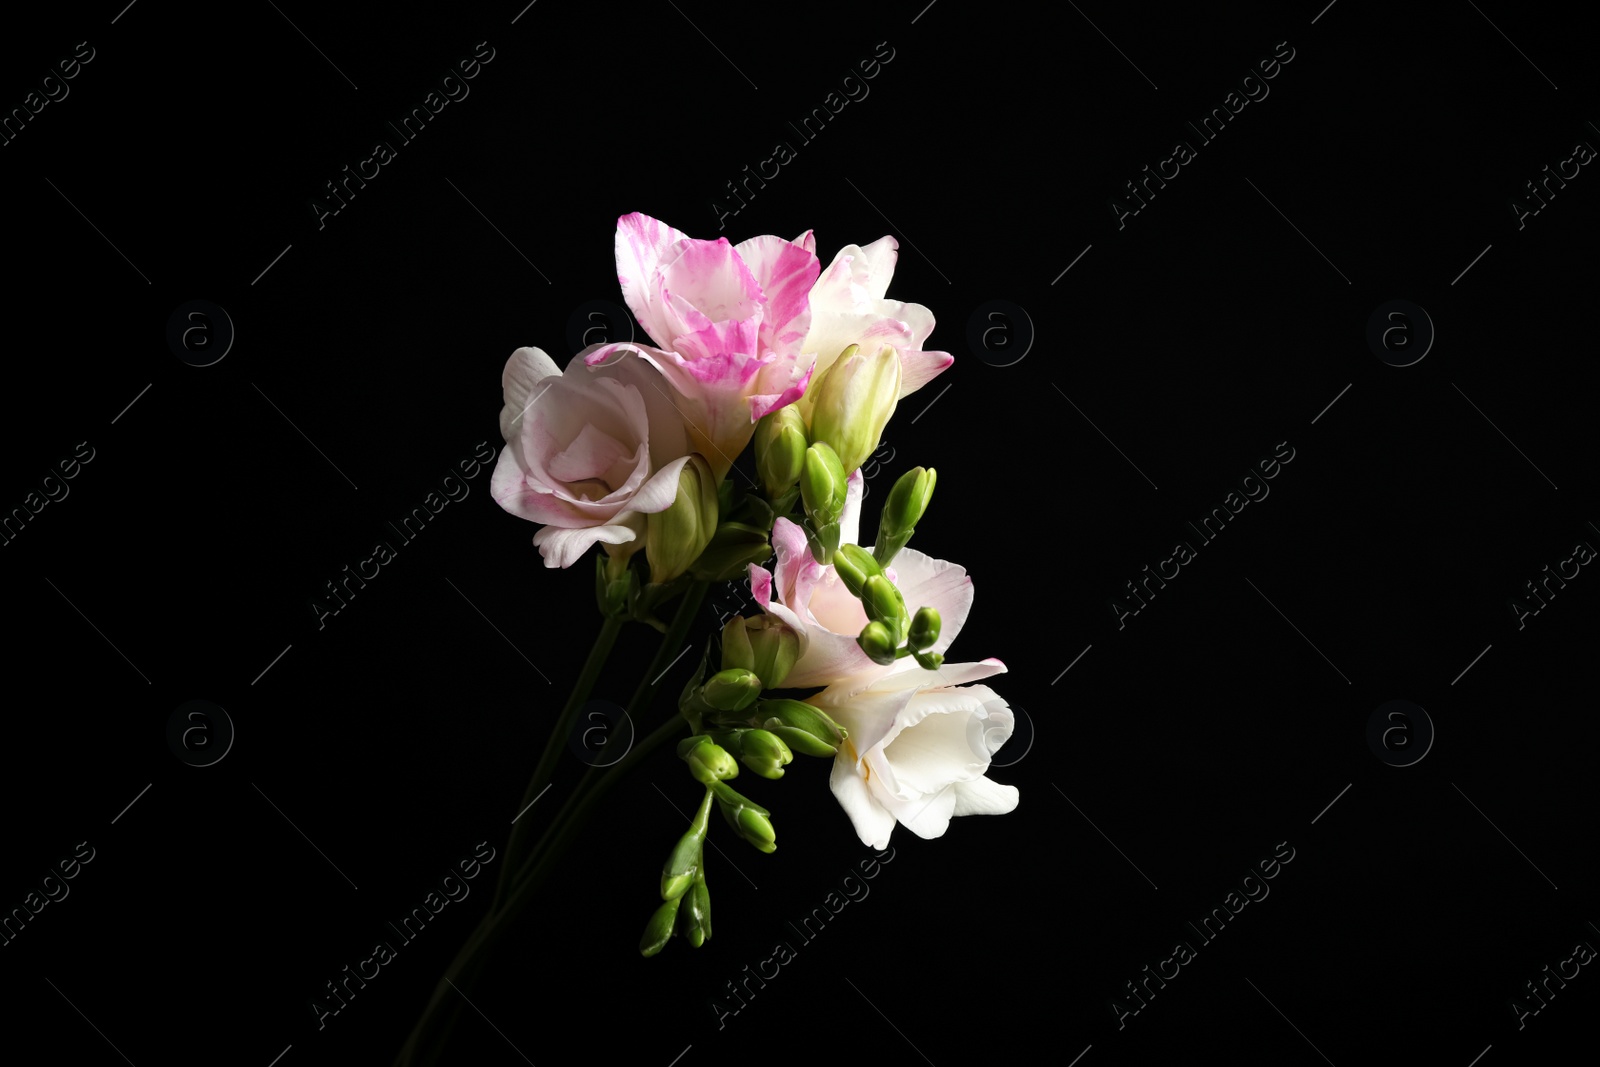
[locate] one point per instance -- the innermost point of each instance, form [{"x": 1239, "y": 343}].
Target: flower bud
[
  {"x": 822, "y": 489},
  {"x": 675, "y": 538},
  {"x": 763, "y": 644},
  {"x": 708, "y": 761},
  {"x": 794, "y": 721},
  {"x": 803, "y": 743},
  {"x": 658, "y": 931},
  {"x": 924, "y": 629},
  {"x": 883, "y": 603},
  {"x": 765, "y": 753},
  {"x": 853, "y": 403},
  {"x": 907, "y": 503},
  {"x": 855, "y": 565},
  {"x": 684, "y": 861},
  {"x": 615, "y": 585},
  {"x": 877, "y": 642},
  {"x": 780, "y": 441},
  {"x": 702, "y": 903},
  {"x": 732, "y": 690},
  {"x": 694, "y": 923},
  {"x": 928, "y": 661},
  {"x": 756, "y": 828},
  {"x": 747, "y": 818}
]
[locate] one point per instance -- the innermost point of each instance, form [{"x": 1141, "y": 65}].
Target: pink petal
[
  {"x": 713, "y": 281},
  {"x": 522, "y": 383},
  {"x": 919, "y": 368},
  {"x": 642, "y": 243},
  {"x": 935, "y": 583},
  {"x": 761, "y": 584},
  {"x": 786, "y": 272}
]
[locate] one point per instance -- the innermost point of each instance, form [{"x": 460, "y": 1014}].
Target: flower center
[{"x": 589, "y": 489}]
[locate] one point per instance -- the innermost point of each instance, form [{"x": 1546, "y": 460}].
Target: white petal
[
  {"x": 872, "y": 821},
  {"x": 927, "y": 816},
  {"x": 875, "y": 266},
  {"x": 983, "y": 797},
  {"x": 868, "y": 719},
  {"x": 850, "y": 520},
  {"x": 561, "y": 548}
]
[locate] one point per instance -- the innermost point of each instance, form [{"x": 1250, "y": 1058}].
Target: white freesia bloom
[{"x": 919, "y": 748}]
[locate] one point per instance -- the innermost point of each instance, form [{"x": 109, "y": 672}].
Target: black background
[{"x": 1219, "y": 721}]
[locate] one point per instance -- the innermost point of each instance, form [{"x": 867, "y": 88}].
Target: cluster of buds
[
  {"x": 891, "y": 631},
  {"x": 821, "y": 440},
  {"x": 685, "y": 910}
]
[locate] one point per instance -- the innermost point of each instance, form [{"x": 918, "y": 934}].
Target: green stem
[
  {"x": 649, "y": 684},
  {"x": 427, "y": 1040},
  {"x": 552, "y": 750},
  {"x": 563, "y": 840}
]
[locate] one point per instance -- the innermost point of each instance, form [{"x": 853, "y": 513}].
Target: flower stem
[
  {"x": 649, "y": 684},
  {"x": 547, "y": 759},
  {"x": 427, "y": 1040},
  {"x": 435, "y": 1028}
]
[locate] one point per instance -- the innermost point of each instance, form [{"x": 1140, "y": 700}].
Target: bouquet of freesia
[{"x": 631, "y": 447}]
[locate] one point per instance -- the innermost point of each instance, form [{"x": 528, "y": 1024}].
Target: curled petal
[{"x": 561, "y": 548}]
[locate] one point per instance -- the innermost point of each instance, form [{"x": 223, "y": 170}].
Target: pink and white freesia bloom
[
  {"x": 848, "y": 308},
  {"x": 920, "y": 741},
  {"x": 816, "y": 603},
  {"x": 589, "y": 451},
  {"x": 729, "y": 321}
]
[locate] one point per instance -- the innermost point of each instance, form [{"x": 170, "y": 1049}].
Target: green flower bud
[
  {"x": 675, "y": 538},
  {"x": 853, "y": 403},
  {"x": 794, "y": 721},
  {"x": 708, "y": 761},
  {"x": 659, "y": 929},
  {"x": 747, "y": 818},
  {"x": 928, "y": 661},
  {"x": 855, "y": 565},
  {"x": 763, "y": 644},
  {"x": 822, "y": 490},
  {"x": 694, "y": 924},
  {"x": 877, "y": 642},
  {"x": 884, "y": 604},
  {"x": 732, "y": 690},
  {"x": 756, "y": 828},
  {"x": 615, "y": 585},
  {"x": 780, "y": 441},
  {"x": 702, "y": 903},
  {"x": 684, "y": 862},
  {"x": 765, "y": 753},
  {"x": 908, "y": 501},
  {"x": 800, "y": 741},
  {"x": 924, "y": 629}
]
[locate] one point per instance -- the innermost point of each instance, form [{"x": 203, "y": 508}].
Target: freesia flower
[
  {"x": 918, "y": 750},
  {"x": 815, "y": 602},
  {"x": 728, "y": 319},
  {"x": 848, "y": 308},
  {"x": 590, "y": 451},
  {"x": 919, "y": 742}
]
